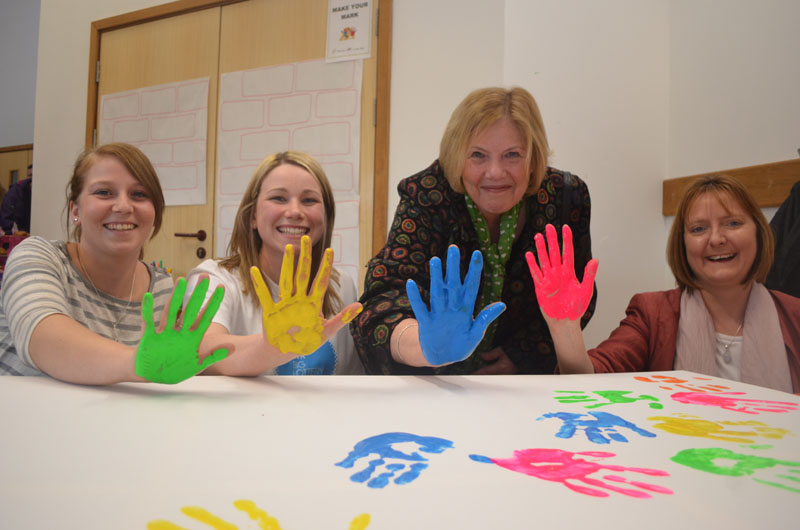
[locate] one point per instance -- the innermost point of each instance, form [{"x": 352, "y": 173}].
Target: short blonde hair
[
  {"x": 725, "y": 188},
  {"x": 485, "y": 107},
  {"x": 246, "y": 243}
]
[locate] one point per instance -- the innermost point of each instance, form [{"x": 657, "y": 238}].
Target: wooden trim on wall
[
  {"x": 381, "y": 188},
  {"x": 769, "y": 183},
  {"x": 12, "y": 148}
]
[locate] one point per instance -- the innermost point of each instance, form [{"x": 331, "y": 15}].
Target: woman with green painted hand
[
  {"x": 73, "y": 309},
  {"x": 490, "y": 191}
]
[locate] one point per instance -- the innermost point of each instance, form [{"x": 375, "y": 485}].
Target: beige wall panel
[{"x": 166, "y": 51}]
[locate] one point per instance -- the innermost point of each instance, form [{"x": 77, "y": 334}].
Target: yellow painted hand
[{"x": 295, "y": 324}]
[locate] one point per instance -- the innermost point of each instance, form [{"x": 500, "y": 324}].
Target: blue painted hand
[
  {"x": 392, "y": 458},
  {"x": 448, "y": 333}
]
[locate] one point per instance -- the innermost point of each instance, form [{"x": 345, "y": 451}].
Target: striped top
[{"x": 41, "y": 280}]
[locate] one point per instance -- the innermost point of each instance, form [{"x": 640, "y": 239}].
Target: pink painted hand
[
  {"x": 559, "y": 294},
  {"x": 295, "y": 324}
]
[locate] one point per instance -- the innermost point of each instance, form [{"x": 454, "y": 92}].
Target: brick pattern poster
[
  {"x": 169, "y": 123},
  {"x": 309, "y": 106}
]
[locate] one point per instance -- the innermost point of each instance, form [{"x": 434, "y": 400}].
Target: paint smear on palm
[
  {"x": 294, "y": 323},
  {"x": 264, "y": 520}
]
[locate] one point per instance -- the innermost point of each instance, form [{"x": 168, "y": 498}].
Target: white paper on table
[
  {"x": 169, "y": 123},
  {"x": 309, "y": 106}
]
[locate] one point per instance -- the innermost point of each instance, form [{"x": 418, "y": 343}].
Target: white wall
[
  {"x": 734, "y": 84},
  {"x": 61, "y": 92},
  {"x": 19, "y": 35},
  {"x": 632, "y": 92}
]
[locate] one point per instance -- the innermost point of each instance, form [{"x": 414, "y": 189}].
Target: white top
[
  {"x": 241, "y": 315},
  {"x": 41, "y": 280}
]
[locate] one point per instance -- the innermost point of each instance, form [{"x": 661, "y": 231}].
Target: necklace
[
  {"x": 725, "y": 354},
  {"x": 130, "y": 295}
]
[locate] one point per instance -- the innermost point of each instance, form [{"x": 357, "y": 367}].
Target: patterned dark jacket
[{"x": 430, "y": 217}]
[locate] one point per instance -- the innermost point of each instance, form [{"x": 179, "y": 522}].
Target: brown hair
[
  {"x": 725, "y": 188},
  {"x": 246, "y": 243},
  {"x": 485, "y": 107},
  {"x": 137, "y": 165}
]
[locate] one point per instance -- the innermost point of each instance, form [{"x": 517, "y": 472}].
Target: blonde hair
[
  {"x": 245, "y": 244},
  {"x": 481, "y": 109},
  {"x": 137, "y": 164},
  {"x": 725, "y": 188}
]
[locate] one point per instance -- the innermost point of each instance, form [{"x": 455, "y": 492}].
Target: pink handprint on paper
[
  {"x": 558, "y": 291},
  {"x": 674, "y": 383},
  {"x": 566, "y": 467},
  {"x": 747, "y": 406}
]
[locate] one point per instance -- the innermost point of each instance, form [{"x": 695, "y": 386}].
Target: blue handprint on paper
[
  {"x": 602, "y": 429},
  {"x": 448, "y": 333},
  {"x": 406, "y": 465}
]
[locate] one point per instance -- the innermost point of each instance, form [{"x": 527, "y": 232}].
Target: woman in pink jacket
[{"x": 720, "y": 321}]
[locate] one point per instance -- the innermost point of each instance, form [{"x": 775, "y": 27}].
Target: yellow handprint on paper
[
  {"x": 295, "y": 324},
  {"x": 264, "y": 520},
  {"x": 687, "y": 425}
]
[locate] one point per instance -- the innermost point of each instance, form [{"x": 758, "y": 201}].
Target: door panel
[{"x": 159, "y": 52}]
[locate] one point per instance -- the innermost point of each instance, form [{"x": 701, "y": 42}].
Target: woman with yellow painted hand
[{"x": 271, "y": 317}]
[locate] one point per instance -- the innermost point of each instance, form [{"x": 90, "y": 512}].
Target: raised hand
[
  {"x": 557, "y": 289},
  {"x": 448, "y": 333},
  {"x": 170, "y": 356},
  {"x": 294, "y": 324},
  {"x": 389, "y": 456}
]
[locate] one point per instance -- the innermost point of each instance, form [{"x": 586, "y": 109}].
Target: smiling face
[
  {"x": 720, "y": 241},
  {"x": 289, "y": 206},
  {"x": 495, "y": 172},
  {"x": 115, "y": 211}
]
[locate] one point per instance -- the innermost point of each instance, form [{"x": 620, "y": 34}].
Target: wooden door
[
  {"x": 156, "y": 53},
  {"x": 190, "y": 39}
]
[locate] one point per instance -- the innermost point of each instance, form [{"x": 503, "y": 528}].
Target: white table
[{"x": 124, "y": 456}]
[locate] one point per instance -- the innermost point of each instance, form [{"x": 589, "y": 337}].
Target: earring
[{"x": 75, "y": 219}]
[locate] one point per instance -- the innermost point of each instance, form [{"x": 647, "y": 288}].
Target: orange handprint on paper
[
  {"x": 668, "y": 382},
  {"x": 746, "y": 431}
]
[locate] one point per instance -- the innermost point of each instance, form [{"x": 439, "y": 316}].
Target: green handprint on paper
[
  {"x": 170, "y": 356},
  {"x": 727, "y": 463},
  {"x": 294, "y": 324}
]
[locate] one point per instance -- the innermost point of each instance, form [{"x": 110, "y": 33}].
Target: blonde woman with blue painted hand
[{"x": 281, "y": 237}]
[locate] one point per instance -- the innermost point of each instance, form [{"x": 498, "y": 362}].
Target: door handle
[{"x": 200, "y": 235}]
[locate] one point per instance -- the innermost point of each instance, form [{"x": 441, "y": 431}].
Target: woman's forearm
[
  {"x": 66, "y": 350},
  {"x": 570, "y": 348}
]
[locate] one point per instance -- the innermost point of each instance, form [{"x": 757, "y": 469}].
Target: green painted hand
[
  {"x": 170, "y": 356},
  {"x": 294, "y": 324}
]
